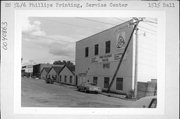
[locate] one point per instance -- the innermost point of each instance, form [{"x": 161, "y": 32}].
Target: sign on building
[{"x": 121, "y": 37}]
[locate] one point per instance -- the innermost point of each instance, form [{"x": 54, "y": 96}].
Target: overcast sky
[{"x": 46, "y": 39}]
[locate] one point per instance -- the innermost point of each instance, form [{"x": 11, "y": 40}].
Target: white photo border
[{"x": 160, "y": 15}]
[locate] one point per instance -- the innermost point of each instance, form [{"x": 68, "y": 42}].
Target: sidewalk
[
  {"x": 102, "y": 93},
  {"x": 65, "y": 85},
  {"x": 120, "y": 96}
]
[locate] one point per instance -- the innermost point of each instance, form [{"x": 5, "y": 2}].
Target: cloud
[
  {"x": 32, "y": 27},
  {"x": 56, "y": 37},
  {"x": 63, "y": 46},
  {"x": 60, "y": 49}
]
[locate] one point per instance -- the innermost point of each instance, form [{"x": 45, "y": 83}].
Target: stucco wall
[
  {"x": 85, "y": 65},
  {"x": 66, "y": 72},
  {"x": 52, "y": 73},
  {"x": 43, "y": 74}
]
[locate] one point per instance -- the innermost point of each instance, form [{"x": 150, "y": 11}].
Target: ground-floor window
[
  {"x": 119, "y": 83},
  {"x": 95, "y": 80},
  {"x": 106, "y": 82},
  {"x": 59, "y": 78},
  {"x": 70, "y": 79},
  {"x": 65, "y": 78}
]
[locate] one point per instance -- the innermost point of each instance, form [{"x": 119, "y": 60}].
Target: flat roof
[{"x": 104, "y": 30}]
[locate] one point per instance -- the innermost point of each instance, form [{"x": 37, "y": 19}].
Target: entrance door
[
  {"x": 119, "y": 83},
  {"x": 106, "y": 82}
]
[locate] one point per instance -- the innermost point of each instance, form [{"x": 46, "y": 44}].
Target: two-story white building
[{"x": 97, "y": 58}]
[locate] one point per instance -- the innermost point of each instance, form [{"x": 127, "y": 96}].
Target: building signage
[
  {"x": 121, "y": 40},
  {"x": 95, "y": 59},
  {"x": 106, "y": 58},
  {"x": 117, "y": 56}
]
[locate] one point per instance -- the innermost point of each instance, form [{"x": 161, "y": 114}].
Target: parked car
[
  {"x": 145, "y": 102},
  {"x": 49, "y": 80},
  {"x": 89, "y": 87}
]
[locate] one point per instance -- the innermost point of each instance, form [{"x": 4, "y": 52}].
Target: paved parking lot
[{"x": 36, "y": 93}]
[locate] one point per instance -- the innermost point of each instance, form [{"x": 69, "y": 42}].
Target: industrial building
[
  {"x": 97, "y": 58},
  {"x": 38, "y": 68}
]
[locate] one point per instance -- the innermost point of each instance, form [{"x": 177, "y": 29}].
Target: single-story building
[
  {"x": 62, "y": 74},
  {"x": 37, "y": 69},
  {"x": 67, "y": 76},
  {"x": 44, "y": 72},
  {"x": 54, "y": 72}
]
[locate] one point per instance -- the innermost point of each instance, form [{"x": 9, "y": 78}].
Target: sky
[{"x": 47, "y": 39}]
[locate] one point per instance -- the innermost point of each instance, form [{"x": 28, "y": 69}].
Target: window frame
[
  {"x": 86, "y": 51},
  {"x": 70, "y": 79},
  {"x": 108, "y": 44},
  {"x": 105, "y": 85},
  {"x": 65, "y": 78},
  {"x": 95, "y": 78},
  {"x": 96, "y": 49},
  {"x": 121, "y": 87}
]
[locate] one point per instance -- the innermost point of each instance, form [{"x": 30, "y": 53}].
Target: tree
[{"x": 69, "y": 64}]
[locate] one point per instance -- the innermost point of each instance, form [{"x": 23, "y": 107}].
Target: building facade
[
  {"x": 66, "y": 76},
  {"x": 60, "y": 74},
  {"x": 54, "y": 72},
  {"x": 97, "y": 58},
  {"x": 38, "y": 68},
  {"x": 44, "y": 72}
]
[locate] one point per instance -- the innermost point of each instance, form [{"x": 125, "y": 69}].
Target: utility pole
[
  {"x": 136, "y": 64},
  {"x": 121, "y": 59}
]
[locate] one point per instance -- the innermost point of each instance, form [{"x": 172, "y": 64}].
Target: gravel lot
[{"x": 36, "y": 93}]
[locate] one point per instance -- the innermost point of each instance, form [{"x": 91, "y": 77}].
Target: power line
[
  {"x": 139, "y": 25},
  {"x": 149, "y": 24},
  {"x": 63, "y": 23},
  {"x": 120, "y": 19},
  {"x": 148, "y": 32},
  {"x": 95, "y": 21},
  {"x": 147, "y": 29}
]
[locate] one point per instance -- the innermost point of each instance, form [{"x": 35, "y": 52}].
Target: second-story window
[
  {"x": 108, "y": 47},
  {"x": 86, "y": 52},
  {"x": 96, "y": 49}
]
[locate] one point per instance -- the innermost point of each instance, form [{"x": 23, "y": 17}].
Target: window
[
  {"x": 96, "y": 49},
  {"x": 106, "y": 82},
  {"x": 119, "y": 83},
  {"x": 86, "y": 52},
  {"x": 108, "y": 46},
  {"x": 54, "y": 78},
  {"x": 65, "y": 78},
  {"x": 60, "y": 78},
  {"x": 70, "y": 79},
  {"x": 95, "y": 80},
  {"x": 106, "y": 65}
]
